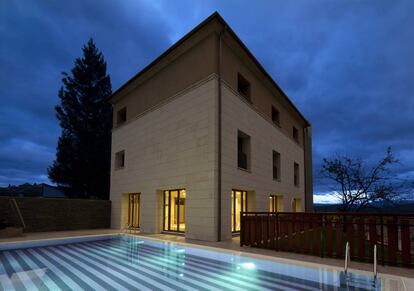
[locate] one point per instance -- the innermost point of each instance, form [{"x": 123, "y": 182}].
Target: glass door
[
  {"x": 238, "y": 204},
  {"x": 174, "y": 210},
  {"x": 134, "y": 205},
  {"x": 296, "y": 205},
  {"x": 275, "y": 203}
]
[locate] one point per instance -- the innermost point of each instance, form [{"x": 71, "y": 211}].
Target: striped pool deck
[{"x": 133, "y": 264}]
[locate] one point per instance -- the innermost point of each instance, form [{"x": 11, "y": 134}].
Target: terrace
[
  {"x": 404, "y": 276},
  {"x": 298, "y": 239}
]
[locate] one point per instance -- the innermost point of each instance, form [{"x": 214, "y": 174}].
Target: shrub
[{"x": 4, "y": 223}]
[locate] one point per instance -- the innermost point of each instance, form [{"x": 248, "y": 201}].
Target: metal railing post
[
  {"x": 382, "y": 240},
  {"x": 277, "y": 232},
  {"x": 241, "y": 229},
  {"x": 375, "y": 261},
  {"x": 346, "y": 257},
  {"x": 17, "y": 210}
]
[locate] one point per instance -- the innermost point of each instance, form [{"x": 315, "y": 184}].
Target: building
[
  {"x": 49, "y": 191},
  {"x": 32, "y": 190},
  {"x": 202, "y": 133}
]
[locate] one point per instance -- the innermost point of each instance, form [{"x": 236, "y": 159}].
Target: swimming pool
[{"x": 123, "y": 262}]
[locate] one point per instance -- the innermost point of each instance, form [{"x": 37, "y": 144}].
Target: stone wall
[
  {"x": 265, "y": 137},
  {"x": 171, "y": 147},
  {"x": 48, "y": 214}
]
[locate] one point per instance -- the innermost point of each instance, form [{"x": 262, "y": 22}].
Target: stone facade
[
  {"x": 240, "y": 115},
  {"x": 170, "y": 147}
]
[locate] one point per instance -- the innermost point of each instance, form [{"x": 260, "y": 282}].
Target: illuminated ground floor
[{"x": 176, "y": 204}]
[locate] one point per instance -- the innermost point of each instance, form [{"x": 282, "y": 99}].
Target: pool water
[{"x": 130, "y": 263}]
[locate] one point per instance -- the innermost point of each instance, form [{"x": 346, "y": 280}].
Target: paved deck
[
  {"x": 57, "y": 234},
  {"x": 233, "y": 245}
]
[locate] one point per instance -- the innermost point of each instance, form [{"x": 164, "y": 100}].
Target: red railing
[{"x": 326, "y": 234}]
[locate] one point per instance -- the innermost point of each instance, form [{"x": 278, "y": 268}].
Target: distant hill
[
  {"x": 397, "y": 208},
  {"x": 23, "y": 190},
  {"x": 325, "y": 207}
]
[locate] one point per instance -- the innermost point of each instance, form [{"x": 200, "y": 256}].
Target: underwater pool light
[{"x": 248, "y": 265}]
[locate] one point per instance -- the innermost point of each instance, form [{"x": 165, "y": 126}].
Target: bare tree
[{"x": 357, "y": 185}]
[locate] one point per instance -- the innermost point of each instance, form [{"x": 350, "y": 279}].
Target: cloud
[
  {"x": 326, "y": 198},
  {"x": 23, "y": 161},
  {"x": 347, "y": 65},
  {"x": 42, "y": 39}
]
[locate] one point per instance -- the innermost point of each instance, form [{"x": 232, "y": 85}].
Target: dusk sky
[{"x": 347, "y": 65}]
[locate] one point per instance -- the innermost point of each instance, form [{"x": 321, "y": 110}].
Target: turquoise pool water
[{"x": 130, "y": 263}]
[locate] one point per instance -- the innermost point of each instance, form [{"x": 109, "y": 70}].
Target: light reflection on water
[{"x": 134, "y": 263}]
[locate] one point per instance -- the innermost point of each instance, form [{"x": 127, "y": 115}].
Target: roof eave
[{"x": 217, "y": 16}]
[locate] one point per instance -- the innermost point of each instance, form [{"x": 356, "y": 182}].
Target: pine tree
[{"x": 82, "y": 164}]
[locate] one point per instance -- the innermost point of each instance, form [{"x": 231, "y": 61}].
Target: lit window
[
  {"x": 276, "y": 203},
  {"x": 238, "y": 204},
  {"x": 134, "y": 206},
  {"x": 296, "y": 205},
  {"x": 174, "y": 210}
]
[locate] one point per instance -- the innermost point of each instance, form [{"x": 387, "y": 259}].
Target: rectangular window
[
  {"x": 174, "y": 210},
  {"x": 296, "y": 174},
  {"x": 275, "y": 116},
  {"x": 134, "y": 206},
  {"x": 243, "y": 87},
  {"x": 121, "y": 116},
  {"x": 276, "y": 166},
  {"x": 120, "y": 160},
  {"x": 295, "y": 134},
  {"x": 296, "y": 205},
  {"x": 238, "y": 204},
  {"x": 276, "y": 203},
  {"x": 243, "y": 150}
]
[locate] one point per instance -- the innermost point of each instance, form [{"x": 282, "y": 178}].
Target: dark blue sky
[{"x": 347, "y": 65}]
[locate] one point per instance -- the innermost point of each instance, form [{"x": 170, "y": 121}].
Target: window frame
[
  {"x": 296, "y": 203},
  {"x": 296, "y": 174},
  {"x": 244, "y": 87},
  {"x": 118, "y": 155},
  {"x": 295, "y": 134},
  {"x": 243, "y": 207},
  {"x": 167, "y": 228},
  {"x": 278, "y": 166},
  {"x": 274, "y": 203},
  {"x": 121, "y": 116},
  {"x": 244, "y": 149},
  {"x": 275, "y": 113},
  {"x": 131, "y": 207}
]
